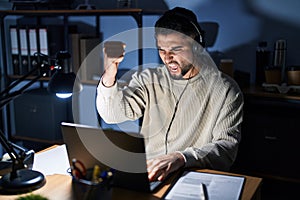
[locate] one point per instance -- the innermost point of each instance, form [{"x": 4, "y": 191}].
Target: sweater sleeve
[
  {"x": 104, "y": 102},
  {"x": 221, "y": 152},
  {"x": 116, "y": 105}
]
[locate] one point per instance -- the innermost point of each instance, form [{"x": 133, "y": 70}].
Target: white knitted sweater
[{"x": 206, "y": 126}]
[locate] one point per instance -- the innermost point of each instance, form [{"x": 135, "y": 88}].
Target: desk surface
[{"x": 60, "y": 187}]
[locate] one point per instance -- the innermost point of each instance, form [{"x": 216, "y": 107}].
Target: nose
[{"x": 168, "y": 57}]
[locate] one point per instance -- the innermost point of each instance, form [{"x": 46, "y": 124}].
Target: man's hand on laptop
[{"x": 160, "y": 167}]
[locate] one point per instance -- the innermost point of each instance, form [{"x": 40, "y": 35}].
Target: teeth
[{"x": 173, "y": 67}]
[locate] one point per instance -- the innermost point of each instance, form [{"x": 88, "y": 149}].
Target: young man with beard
[{"x": 192, "y": 112}]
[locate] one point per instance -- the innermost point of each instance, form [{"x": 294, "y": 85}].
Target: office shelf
[{"x": 64, "y": 15}]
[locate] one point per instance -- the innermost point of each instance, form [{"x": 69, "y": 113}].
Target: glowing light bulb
[{"x": 63, "y": 95}]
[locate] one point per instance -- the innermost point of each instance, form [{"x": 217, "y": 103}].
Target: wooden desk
[{"x": 59, "y": 187}]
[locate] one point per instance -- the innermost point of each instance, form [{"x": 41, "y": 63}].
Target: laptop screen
[
  {"x": 115, "y": 149},
  {"x": 124, "y": 152}
]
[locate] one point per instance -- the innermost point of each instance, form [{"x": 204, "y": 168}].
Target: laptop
[{"x": 123, "y": 152}]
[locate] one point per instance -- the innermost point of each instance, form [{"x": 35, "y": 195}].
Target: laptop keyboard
[{"x": 154, "y": 184}]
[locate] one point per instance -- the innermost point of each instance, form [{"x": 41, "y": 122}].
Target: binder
[
  {"x": 15, "y": 59},
  {"x": 24, "y": 47},
  {"x": 33, "y": 48},
  {"x": 51, "y": 40},
  {"x": 43, "y": 41},
  {"x": 43, "y": 46}
]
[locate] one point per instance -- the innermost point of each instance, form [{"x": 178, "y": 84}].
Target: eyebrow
[
  {"x": 172, "y": 49},
  {"x": 177, "y": 47}
]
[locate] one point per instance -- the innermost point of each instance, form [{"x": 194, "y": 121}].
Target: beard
[{"x": 184, "y": 70}]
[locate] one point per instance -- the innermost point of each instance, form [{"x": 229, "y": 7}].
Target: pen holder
[{"x": 85, "y": 189}]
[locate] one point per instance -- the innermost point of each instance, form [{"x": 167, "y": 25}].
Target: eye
[
  {"x": 177, "y": 49},
  {"x": 161, "y": 51}
]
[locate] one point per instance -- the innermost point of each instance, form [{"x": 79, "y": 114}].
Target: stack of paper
[{"x": 198, "y": 185}]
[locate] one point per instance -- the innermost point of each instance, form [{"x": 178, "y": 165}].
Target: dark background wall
[{"x": 242, "y": 24}]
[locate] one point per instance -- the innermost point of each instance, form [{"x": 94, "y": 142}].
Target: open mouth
[{"x": 173, "y": 68}]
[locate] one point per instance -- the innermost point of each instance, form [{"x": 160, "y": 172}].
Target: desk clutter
[
  {"x": 282, "y": 81},
  {"x": 273, "y": 72},
  {"x": 201, "y": 186},
  {"x": 283, "y": 88},
  {"x": 62, "y": 183},
  {"x": 91, "y": 184}
]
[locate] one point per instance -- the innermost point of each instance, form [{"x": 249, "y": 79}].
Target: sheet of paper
[
  {"x": 53, "y": 161},
  {"x": 215, "y": 187}
]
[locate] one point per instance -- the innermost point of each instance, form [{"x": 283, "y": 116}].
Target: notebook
[{"x": 124, "y": 152}]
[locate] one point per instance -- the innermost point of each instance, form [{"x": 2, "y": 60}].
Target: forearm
[
  {"x": 220, "y": 155},
  {"x": 221, "y": 152},
  {"x": 107, "y": 103},
  {"x": 108, "y": 80},
  {"x": 113, "y": 55},
  {"x": 115, "y": 106}
]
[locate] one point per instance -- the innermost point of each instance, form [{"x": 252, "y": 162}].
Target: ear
[{"x": 197, "y": 49}]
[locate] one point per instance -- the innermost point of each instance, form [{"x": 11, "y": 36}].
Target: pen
[
  {"x": 96, "y": 172},
  {"x": 78, "y": 169},
  {"x": 202, "y": 192}
]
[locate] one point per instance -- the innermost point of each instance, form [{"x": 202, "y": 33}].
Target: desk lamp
[
  {"x": 63, "y": 84},
  {"x": 22, "y": 179}
]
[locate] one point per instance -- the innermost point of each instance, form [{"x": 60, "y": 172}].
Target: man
[{"x": 192, "y": 113}]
